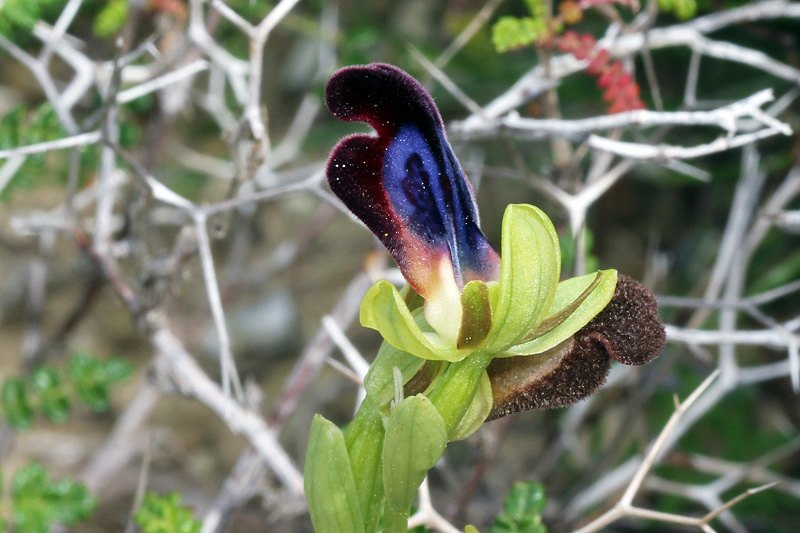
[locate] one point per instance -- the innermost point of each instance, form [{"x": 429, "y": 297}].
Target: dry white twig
[{"x": 625, "y": 508}]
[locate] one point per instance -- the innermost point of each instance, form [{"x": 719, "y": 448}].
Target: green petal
[
  {"x": 415, "y": 440},
  {"x": 329, "y": 486},
  {"x": 577, "y": 301},
  {"x": 478, "y": 410},
  {"x": 384, "y": 309},
  {"x": 476, "y": 317},
  {"x": 530, "y": 267}
]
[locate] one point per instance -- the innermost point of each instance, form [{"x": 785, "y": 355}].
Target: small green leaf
[
  {"x": 415, "y": 440},
  {"x": 384, "y": 309},
  {"x": 522, "y": 510},
  {"x": 10, "y": 127},
  {"x": 510, "y": 33},
  {"x": 111, "y": 18},
  {"x": 683, "y": 9},
  {"x": 530, "y": 267},
  {"x": 53, "y": 399},
  {"x": 479, "y": 409},
  {"x": 92, "y": 376},
  {"x": 22, "y": 13},
  {"x": 165, "y": 514},
  {"x": 591, "y": 292},
  {"x": 329, "y": 486},
  {"x": 38, "y": 503},
  {"x": 476, "y": 317},
  {"x": 17, "y": 404}
]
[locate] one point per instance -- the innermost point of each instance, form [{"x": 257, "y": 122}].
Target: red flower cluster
[{"x": 620, "y": 90}]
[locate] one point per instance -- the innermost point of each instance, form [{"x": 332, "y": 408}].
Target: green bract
[
  {"x": 329, "y": 485},
  {"x": 526, "y": 311},
  {"x": 415, "y": 440}
]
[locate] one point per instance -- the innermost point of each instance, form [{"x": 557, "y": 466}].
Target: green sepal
[
  {"x": 379, "y": 381},
  {"x": 383, "y": 309},
  {"x": 329, "y": 485},
  {"x": 577, "y": 301},
  {"x": 415, "y": 440},
  {"x": 479, "y": 408},
  {"x": 530, "y": 267},
  {"x": 476, "y": 316}
]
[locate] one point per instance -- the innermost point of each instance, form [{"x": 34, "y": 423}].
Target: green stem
[{"x": 453, "y": 394}]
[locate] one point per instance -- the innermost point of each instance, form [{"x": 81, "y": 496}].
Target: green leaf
[
  {"x": 111, "y": 18},
  {"x": 415, "y": 440},
  {"x": 479, "y": 408},
  {"x": 165, "y": 514},
  {"x": 21, "y": 13},
  {"x": 53, "y": 399},
  {"x": 17, "y": 404},
  {"x": 530, "y": 267},
  {"x": 476, "y": 317},
  {"x": 92, "y": 377},
  {"x": 38, "y": 503},
  {"x": 10, "y": 127},
  {"x": 43, "y": 126},
  {"x": 683, "y": 9},
  {"x": 384, "y": 309},
  {"x": 329, "y": 486},
  {"x": 537, "y": 8},
  {"x": 522, "y": 510},
  {"x": 577, "y": 301},
  {"x": 510, "y": 33}
]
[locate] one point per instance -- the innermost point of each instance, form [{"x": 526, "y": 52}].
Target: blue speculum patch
[{"x": 411, "y": 177}]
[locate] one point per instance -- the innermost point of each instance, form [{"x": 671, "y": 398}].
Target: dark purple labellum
[{"x": 404, "y": 182}]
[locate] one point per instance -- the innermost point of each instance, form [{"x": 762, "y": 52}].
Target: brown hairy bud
[{"x": 628, "y": 329}]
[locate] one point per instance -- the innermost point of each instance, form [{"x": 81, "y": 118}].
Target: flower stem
[{"x": 453, "y": 394}]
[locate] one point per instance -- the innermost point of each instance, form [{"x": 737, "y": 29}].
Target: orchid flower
[
  {"x": 406, "y": 185},
  {"x": 477, "y": 335}
]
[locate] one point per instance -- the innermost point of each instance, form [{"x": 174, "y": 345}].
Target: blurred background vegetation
[{"x": 657, "y": 225}]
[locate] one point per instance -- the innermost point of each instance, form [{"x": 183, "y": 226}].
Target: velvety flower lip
[{"x": 404, "y": 181}]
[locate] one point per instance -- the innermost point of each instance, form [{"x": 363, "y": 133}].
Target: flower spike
[{"x": 491, "y": 336}]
